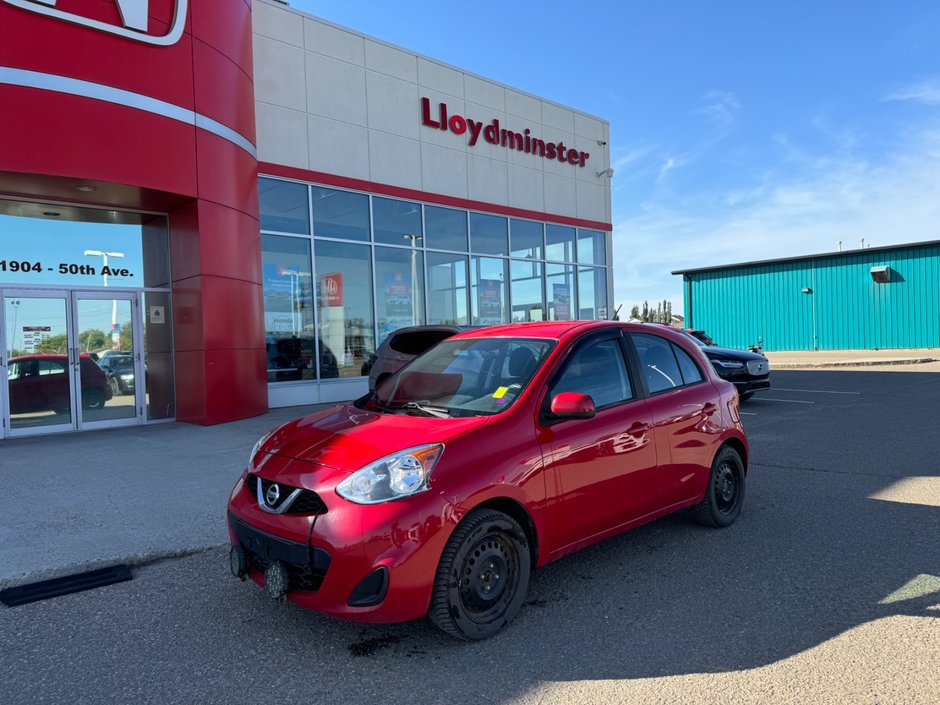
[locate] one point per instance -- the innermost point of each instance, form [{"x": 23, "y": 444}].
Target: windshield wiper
[{"x": 426, "y": 409}]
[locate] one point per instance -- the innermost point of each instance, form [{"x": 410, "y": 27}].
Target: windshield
[{"x": 465, "y": 377}]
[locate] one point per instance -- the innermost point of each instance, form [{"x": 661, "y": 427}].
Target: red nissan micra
[{"x": 495, "y": 452}]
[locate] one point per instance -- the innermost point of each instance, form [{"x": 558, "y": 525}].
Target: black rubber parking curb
[{"x": 66, "y": 585}]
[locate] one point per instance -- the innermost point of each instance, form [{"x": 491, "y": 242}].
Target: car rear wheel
[
  {"x": 482, "y": 577},
  {"x": 724, "y": 495},
  {"x": 93, "y": 398}
]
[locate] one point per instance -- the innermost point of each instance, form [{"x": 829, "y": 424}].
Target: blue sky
[{"x": 739, "y": 130}]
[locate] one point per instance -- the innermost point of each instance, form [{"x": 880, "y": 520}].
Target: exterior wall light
[
  {"x": 807, "y": 290},
  {"x": 606, "y": 172},
  {"x": 881, "y": 275}
]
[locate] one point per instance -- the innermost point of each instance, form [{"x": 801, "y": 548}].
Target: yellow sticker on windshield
[{"x": 499, "y": 393}]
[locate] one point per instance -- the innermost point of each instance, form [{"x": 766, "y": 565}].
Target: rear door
[{"x": 685, "y": 417}]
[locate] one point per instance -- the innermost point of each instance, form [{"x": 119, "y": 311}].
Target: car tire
[
  {"x": 724, "y": 495},
  {"x": 93, "y": 399},
  {"x": 744, "y": 396},
  {"x": 62, "y": 405},
  {"x": 482, "y": 577},
  {"x": 115, "y": 386}
]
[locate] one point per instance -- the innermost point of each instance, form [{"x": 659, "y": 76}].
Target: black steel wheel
[
  {"x": 724, "y": 495},
  {"x": 482, "y": 577}
]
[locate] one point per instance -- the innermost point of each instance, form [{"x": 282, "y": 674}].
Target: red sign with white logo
[{"x": 331, "y": 289}]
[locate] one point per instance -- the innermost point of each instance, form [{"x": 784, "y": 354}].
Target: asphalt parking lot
[{"x": 827, "y": 590}]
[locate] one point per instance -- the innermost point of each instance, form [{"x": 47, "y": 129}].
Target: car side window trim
[{"x": 563, "y": 364}]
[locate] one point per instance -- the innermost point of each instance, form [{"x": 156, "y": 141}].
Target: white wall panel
[
  {"x": 586, "y": 126},
  {"x": 524, "y": 106},
  {"x": 395, "y": 160},
  {"x": 485, "y": 93},
  {"x": 336, "y": 89},
  {"x": 488, "y": 180},
  {"x": 393, "y": 105},
  {"x": 391, "y": 61},
  {"x": 443, "y": 171},
  {"x": 526, "y": 188},
  {"x": 592, "y": 204},
  {"x": 338, "y": 147},
  {"x": 279, "y": 74},
  {"x": 274, "y": 23},
  {"x": 335, "y": 42},
  {"x": 559, "y": 118},
  {"x": 440, "y": 78},
  {"x": 561, "y": 195},
  {"x": 282, "y": 136}
]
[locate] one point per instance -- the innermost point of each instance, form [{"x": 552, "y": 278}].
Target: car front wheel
[
  {"x": 724, "y": 495},
  {"x": 482, "y": 577}
]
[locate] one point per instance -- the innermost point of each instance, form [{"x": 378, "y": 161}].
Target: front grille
[
  {"x": 307, "y": 502},
  {"x": 306, "y": 565},
  {"x": 758, "y": 367}
]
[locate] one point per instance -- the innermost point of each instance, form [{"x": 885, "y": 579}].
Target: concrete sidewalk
[
  {"x": 809, "y": 359},
  {"x": 78, "y": 501}
]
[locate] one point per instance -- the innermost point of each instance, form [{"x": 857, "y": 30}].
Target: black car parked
[{"x": 748, "y": 371}]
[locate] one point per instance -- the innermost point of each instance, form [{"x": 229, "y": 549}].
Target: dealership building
[{"x": 212, "y": 208}]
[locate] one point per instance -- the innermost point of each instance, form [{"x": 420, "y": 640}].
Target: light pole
[
  {"x": 15, "y": 303},
  {"x": 414, "y": 275},
  {"x": 104, "y": 255}
]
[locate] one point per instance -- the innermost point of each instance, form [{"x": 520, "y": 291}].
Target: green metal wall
[{"x": 845, "y": 309}]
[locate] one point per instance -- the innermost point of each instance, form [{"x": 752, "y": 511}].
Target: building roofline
[{"x": 823, "y": 255}]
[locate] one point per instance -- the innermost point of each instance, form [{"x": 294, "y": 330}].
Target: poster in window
[
  {"x": 562, "y": 300},
  {"x": 331, "y": 289},
  {"x": 490, "y": 301},
  {"x": 399, "y": 305}
]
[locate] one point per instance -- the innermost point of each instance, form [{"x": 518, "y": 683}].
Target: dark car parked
[
  {"x": 120, "y": 371},
  {"x": 402, "y": 346},
  {"x": 749, "y": 372},
  {"x": 41, "y": 383}
]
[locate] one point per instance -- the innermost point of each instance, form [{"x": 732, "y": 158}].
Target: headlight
[
  {"x": 398, "y": 475},
  {"x": 127, "y": 378},
  {"x": 729, "y": 364},
  {"x": 257, "y": 447}
]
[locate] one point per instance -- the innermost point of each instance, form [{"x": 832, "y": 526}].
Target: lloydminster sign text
[{"x": 492, "y": 133}]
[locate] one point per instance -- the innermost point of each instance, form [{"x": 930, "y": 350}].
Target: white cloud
[
  {"x": 829, "y": 199},
  {"x": 721, "y": 107},
  {"x": 927, "y": 93}
]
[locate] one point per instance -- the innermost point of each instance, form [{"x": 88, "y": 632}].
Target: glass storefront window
[
  {"x": 344, "y": 306},
  {"x": 559, "y": 243},
  {"x": 81, "y": 247},
  {"x": 488, "y": 291},
  {"x": 447, "y": 289},
  {"x": 340, "y": 214},
  {"x": 592, "y": 293},
  {"x": 592, "y": 247},
  {"x": 527, "y": 238},
  {"x": 488, "y": 234},
  {"x": 528, "y": 304},
  {"x": 445, "y": 229},
  {"x": 283, "y": 206},
  {"x": 288, "y": 308},
  {"x": 559, "y": 287},
  {"x": 395, "y": 222},
  {"x": 399, "y": 283}
]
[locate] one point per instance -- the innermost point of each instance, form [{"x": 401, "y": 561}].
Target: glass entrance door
[
  {"x": 38, "y": 381},
  {"x": 72, "y": 361}
]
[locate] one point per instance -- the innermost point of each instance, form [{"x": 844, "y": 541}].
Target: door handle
[
  {"x": 638, "y": 429},
  {"x": 709, "y": 409}
]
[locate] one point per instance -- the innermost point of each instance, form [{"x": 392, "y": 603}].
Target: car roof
[{"x": 554, "y": 330}]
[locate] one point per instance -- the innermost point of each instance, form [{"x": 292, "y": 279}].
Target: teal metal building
[{"x": 867, "y": 299}]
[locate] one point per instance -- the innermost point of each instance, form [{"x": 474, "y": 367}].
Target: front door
[{"x": 70, "y": 360}]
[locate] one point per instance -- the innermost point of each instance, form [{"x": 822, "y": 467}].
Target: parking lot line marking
[
  {"x": 787, "y": 401},
  {"x": 814, "y": 391},
  {"x": 747, "y": 413}
]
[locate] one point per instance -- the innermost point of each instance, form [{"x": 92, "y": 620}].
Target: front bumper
[
  {"x": 753, "y": 385},
  {"x": 331, "y": 554}
]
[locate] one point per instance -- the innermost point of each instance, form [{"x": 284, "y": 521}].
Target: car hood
[
  {"x": 731, "y": 353},
  {"x": 348, "y": 438}
]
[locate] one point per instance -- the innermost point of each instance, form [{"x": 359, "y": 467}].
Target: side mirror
[{"x": 572, "y": 405}]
